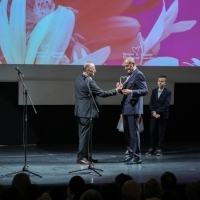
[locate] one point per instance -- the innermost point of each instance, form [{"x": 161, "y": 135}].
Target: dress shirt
[{"x": 159, "y": 92}]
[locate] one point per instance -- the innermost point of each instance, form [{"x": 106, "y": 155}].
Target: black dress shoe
[
  {"x": 126, "y": 152},
  {"x": 93, "y": 160},
  {"x": 159, "y": 152},
  {"x": 150, "y": 151},
  {"x": 133, "y": 161},
  {"x": 83, "y": 161},
  {"x": 129, "y": 158}
]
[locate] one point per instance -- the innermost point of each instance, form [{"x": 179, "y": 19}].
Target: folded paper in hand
[{"x": 120, "y": 126}]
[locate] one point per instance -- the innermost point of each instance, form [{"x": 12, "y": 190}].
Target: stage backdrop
[{"x": 54, "y": 85}]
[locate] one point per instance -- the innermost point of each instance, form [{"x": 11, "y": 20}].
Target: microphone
[{"x": 17, "y": 68}]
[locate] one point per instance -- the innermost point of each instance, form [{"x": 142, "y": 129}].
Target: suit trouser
[
  {"x": 85, "y": 134},
  {"x": 157, "y": 129},
  {"x": 132, "y": 135}
]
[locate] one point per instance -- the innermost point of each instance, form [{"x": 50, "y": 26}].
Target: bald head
[
  {"x": 89, "y": 68},
  {"x": 129, "y": 60},
  {"x": 131, "y": 190}
]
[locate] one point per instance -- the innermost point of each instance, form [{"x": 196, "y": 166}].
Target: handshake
[{"x": 119, "y": 88}]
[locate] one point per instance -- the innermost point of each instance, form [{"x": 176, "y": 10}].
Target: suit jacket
[
  {"x": 82, "y": 95},
  {"x": 133, "y": 104},
  {"x": 161, "y": 105}
]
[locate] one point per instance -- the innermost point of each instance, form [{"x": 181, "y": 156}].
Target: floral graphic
[
  {"x": 196, "y": 62},
  {"x": 71, "y": 32}
]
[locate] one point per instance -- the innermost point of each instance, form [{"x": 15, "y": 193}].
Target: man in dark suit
[
  {"x": 159, "y": 106},
  {"x": 86, "y": 108},
  {"x": 133, "y": 91}
]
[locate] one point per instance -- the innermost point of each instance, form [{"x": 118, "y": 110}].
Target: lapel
[
  {"x": 161, "y": 93},
  {"x": 132, "y": 77},
  {"x": 156, "y": 94},
  {"x": 84, "y": 76}
]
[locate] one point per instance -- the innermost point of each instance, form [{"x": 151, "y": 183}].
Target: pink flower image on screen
[{"x": 71, "y": 32}]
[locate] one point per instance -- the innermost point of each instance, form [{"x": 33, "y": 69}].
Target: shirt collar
[
  {"x": 132, "y": 72},
  {"x": 160, "y": 90},
  {"x": 87, "y": 75}
]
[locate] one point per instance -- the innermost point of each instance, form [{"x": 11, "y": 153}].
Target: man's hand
[
  {"x": 117, "y": 84},
  {"x": 126, "y": 91},
  {"x": 121, "y": 118},
  {"x": 157, "y": 116},
  {"x": 154, "y": 113},
  {"x": 140, "y": 118},
  {"x": 119, "y": 87}
]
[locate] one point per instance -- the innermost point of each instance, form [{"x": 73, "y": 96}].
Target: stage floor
[{"x": 55, "y": 162}]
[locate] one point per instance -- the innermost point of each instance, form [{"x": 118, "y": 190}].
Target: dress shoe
[
  {"x": 133, "y": 161},
  {"x": 126, "y": 152},
  {"x": 83, "y": 161},
  {"x": 150, "y": 151},
  {"x": 127, "y": 159},
  {"x": 93, "y": 160},
  {"x": 159, "y": 152}
]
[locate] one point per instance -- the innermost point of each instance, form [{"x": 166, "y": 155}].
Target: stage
[{"x": 52, "y": 164}]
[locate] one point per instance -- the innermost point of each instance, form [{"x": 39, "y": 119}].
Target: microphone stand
[
  {"x": 25, "y": 119},
  {"x": 91, "y": 165}
]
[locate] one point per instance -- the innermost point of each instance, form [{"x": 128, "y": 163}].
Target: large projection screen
[
  {"x": 50, "y": 40},
  {"x": 71, "y": 32}
]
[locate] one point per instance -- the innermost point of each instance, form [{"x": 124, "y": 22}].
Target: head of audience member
[
  {"x": 2, "y": 187},
  {"x": 168, "y": 181},
  {"x": 57, "y": 193},
  {"x": 131, "y": 190},
  {"x": 89, "y": 69},
  {"x": 169, "y": 194},
  {"x": 76, "y": 185},
  {"x": 90, "y": 186},
  {"x": 11, "y": 193},
  {"x": 193, "y": 191},
  {"x": 122, "y": 178},
  {"x": 32, "y": 192},
  {"x": 152, "y": 188},
  {"x": 111, "y": 191},
  {"x": 91, "y": 195},
  {"x": 45, "y": 196},
  {"x": 21, "y": 181}
]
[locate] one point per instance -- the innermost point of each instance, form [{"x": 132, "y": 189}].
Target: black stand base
[
  {"x": 23, "y": 170},
  {"x": 90, "y": 167}
]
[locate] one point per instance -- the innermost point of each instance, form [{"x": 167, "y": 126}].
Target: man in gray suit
[
  {"x": 133, "y": 91},
  {"x": 86, "y": 108}
]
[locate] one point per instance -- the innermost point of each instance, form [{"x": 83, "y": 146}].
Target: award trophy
[{"x": 123, "y": 79}]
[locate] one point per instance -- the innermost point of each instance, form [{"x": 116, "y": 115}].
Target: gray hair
[{"x": 87, "y": 66}]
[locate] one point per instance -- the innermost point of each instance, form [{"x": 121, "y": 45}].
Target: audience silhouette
[{"x": 124, "y": 188}]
